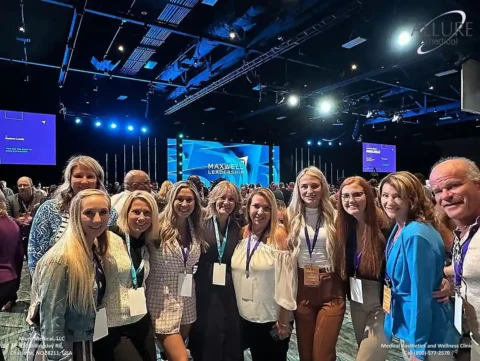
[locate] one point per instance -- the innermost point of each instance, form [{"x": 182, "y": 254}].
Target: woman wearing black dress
[{"x": 216, "y": 335}]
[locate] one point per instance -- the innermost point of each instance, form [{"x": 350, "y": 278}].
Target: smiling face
[
  {"x": 184, "y": 203},
  {"x": 95, "y": 215},
  {"x": 310, "y": 189},
  {"x": 139, "y": 216},
  {"x": 259, "y": 212},
  {"x": 225, "y": 204},
  {"x": 394, "y": 206},
  {"x": 82, "y": 178},
  {"x": 353, "y": 200},
  {"x": 455, "y": 192}
]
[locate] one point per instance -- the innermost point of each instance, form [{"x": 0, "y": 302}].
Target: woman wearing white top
[
  {"x": 321, "y": 297},
  {"x": 263, "y": 277}
]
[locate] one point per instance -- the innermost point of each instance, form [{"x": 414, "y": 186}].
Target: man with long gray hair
[{"x": 455, "y": 183}]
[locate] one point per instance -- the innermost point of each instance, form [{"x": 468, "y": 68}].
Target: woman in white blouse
[
  {"x": 321, "y": 297},
  {"x": 262, "y": 271}
]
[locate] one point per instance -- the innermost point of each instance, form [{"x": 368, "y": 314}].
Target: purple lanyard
[
  {"x": 185, "y": 253},
  {"x": 458, "y": 261},
  {"x": 311, "y": 246},
  {"x": 250, "y": 255},
  {"x": 357, "y": 260}
]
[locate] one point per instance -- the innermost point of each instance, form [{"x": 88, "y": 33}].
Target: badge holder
[
  {"x": 311, "y": 275},
  {"x": 356, "y": 289},
  {"x": 219, "y": 274}
]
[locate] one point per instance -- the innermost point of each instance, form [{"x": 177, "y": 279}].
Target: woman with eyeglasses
[
  {"x": 130, "y": 336},
  {"x": 263, "y": 276},
  {"x": 216, "y": 335},
  {"x": 170, "y": 287},
  {"x": 360, "y": 259},
  {"x": 51, "y": 219},
  {"x": 415, "y": 258}
]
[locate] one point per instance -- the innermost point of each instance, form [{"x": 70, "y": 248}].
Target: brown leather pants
[{"x": 319, "y": 317}]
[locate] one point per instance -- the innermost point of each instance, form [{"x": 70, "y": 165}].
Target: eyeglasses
[
  {"x": 138, "y": 184},
  {"x": 355, "y": 195}
]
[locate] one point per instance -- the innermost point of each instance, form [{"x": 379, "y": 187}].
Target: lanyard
[
  {"x": 99, "y": 279},
  {"x": 358, "y": 258},
  {"x": 220, "y": 246},
  {"x": 132, "y": 268},
  {"x": 388, "y": 250},
  {"x": 250, "y": 255},
  {"x": 311, "y": 245},
  {"x": 460, "y": 258}
]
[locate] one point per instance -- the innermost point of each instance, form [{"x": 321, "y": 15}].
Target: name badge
[
  {"x": 101, "y": 325},
  {"x": 137, "y": 302},
  {"x": 311, "y": 275},
  {"x": 185, "y": 284},
  {"x": 356, "y": 290},
  {"x": 219, "y": 274},
  {"x": 387, "y": 299},
  {"x": 458, "y": 315},
  {"x": 247, "y": 288}
]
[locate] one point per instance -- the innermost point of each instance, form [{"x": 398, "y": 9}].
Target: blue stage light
[
  {"x": 78, "y": 121},
  {"x": 319, "y": 143},
  {"x": 144, "y": 130},
  {"x": 309, "y": 142},
  {"x": 98, "y": 124},
  {"x": 113, "y": 126},
  {"x": 180, "y": 135},
  {"x": 329, "y": 143},
  {"x": 130, "y": 128}
]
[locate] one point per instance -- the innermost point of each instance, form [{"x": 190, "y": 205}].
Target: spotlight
[
  {"x": 404, "y": 38},
  {"x": 21, "y": 28},
  {"x": 98, "y": 124},
  {"x": 232, "y": 34},
  {"x": 180, "y": 136},
  {"x": 309, "y": 142},
  {"x": 144, "y": 130},
  {"x": 431, "y": 87},
  {"x": 369, "y": 114},
  {"x": 354, "y": 66},
  {"x": 319, "y": 143},
  {"x": 130, "y": 128},
  {"x": 121, "y": 48},
  {"x": 326, "y": 106},
  {"x": 340, "y": 143},
  {"x": 78, "y": 121},
  {"x": 113, "y": 126},
  {"x": 293, "y": 100},
  {"x": 329, "y": 143}
]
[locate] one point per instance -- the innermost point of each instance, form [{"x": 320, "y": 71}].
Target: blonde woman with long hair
[
  {"x": 69, "y": 281},
  {"x": 52, "y": 217},
  {"x": 320, "y": 297},
  {"x": 263, "y": 276},
  {"x": 130, "y": 336},
  {"x": 162, "y": 194},
  {"x": 216, "y": 335},
  {"x": 415, "y": 257},
  {"x": 170, "y": 288}
]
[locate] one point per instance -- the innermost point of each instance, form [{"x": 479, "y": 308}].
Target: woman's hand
[
  {"x": 283, "y": 330},
  {"x": 444, "y": 293}
]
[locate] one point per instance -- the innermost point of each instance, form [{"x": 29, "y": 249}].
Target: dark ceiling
[{"x": 299, "y": 43}]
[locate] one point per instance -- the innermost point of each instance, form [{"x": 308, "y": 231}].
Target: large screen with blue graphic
[
  {"x": 27, "y": 138},
  {"x": 381, "y": 158},
  {"x": 239, "y": 163}
]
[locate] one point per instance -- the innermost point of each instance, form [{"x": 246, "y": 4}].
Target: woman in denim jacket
[{"x": 69, "y": 282}]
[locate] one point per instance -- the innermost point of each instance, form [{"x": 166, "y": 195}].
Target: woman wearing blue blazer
[{"x": 415, "y": 256}]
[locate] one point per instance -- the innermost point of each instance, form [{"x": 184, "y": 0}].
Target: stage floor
[{"x": 13, "y": 328}]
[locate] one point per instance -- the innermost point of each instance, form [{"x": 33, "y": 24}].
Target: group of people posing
[{"x": 111, "y": 283}]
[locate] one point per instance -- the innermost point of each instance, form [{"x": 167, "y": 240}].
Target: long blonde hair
[
  {"x": 64, "y": 193},
  {"x": 72, "y": 250},
  {"x": 164, "y": 189},
  {"x": 151, "y": 233},
  {"x": 326, "y": 212},
  {"x": 218, "y": 192},
  {"x": 271, "y": 230},
  {"x": 168, "y": 232}
]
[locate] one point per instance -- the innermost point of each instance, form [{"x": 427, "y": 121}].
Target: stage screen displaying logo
[
  {"x": 381, "y": 158},
  {"x": 27, "y": 138},
  {"x": 236, "y": 162}
]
